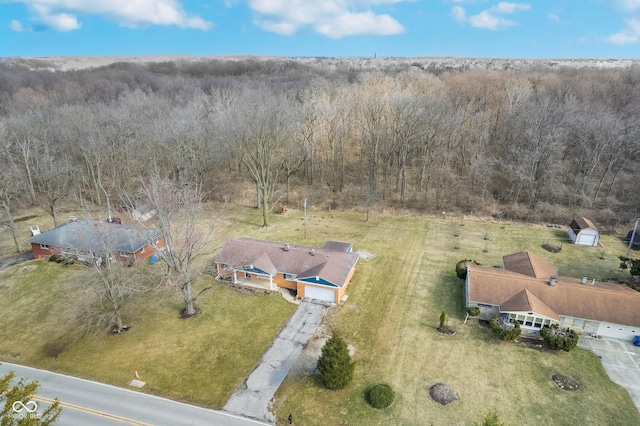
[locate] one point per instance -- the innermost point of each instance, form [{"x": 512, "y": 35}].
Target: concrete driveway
[
  {"x": 621, "y": 360},
  {"x": 253, "y": 397}
]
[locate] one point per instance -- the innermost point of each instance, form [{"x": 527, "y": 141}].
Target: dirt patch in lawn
[
  {"x": 551, "y": 248},
  {"x": 446, "y": 330},
  {"x": 442, "y": 394},
  {"x": 567, "y": 383}
]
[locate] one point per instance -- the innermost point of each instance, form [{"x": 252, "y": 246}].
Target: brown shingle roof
[
  {"x": 613, "y": 303},
  {"x": 270, "y": 257},
  {"x": 525, "y": 301},
  {"x": 530, "y": 264},
  {"x": 582, "y": 223}
]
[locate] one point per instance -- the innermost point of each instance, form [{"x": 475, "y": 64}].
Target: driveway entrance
[{"x": 620, "y": 359}]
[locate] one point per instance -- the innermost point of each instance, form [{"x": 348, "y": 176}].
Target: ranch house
[
  {"x": 529, "y": 290},
  {"x": 87, "y": 240},
  {"x": 321, "y": 273}
]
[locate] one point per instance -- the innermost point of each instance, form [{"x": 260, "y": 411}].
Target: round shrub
[
  {"x": 473, "y": 311},
  {"x": 559, "y": 338},
  {"x": 461, "y": 267},
  {"x": 504, "y": 333},
  {"x": 380, "y": 396}
]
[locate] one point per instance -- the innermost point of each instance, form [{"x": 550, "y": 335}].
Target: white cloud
[
  {"x": 628, "y": 5},
  {"x": 61, "y": 14},
  {"x": 360, "y": 23},
  {"x": 490, "y": 18},
  {"x": 332, "y": 18},
  {"x": 629, "y": 35},
  {"x": 16, "y": 26},
  {"x": 60, "y": 21},
  {"x": 554, "y": 17},
  {"x": 459, "y": 14}
]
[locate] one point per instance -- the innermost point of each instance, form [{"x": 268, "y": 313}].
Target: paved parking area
[{"x": 621, "y": 360}]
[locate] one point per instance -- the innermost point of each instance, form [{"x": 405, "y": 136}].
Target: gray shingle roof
[{"x": 96, "y": 237}]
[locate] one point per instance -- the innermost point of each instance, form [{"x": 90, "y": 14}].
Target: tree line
[{"x": 530, "y": 145}]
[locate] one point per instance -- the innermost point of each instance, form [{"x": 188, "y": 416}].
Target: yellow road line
[{"x": 92, "y": 411}]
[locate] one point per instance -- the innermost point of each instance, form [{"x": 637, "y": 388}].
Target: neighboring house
[
  {"x": 93, "y": 240},
  {"x": 636, "y": 238},
  {"x": 143, "y": 213},
  {"x": 529, "y": 290},
  {"x": 317, "y": 273},
  {"x": 583, "y": 232}
]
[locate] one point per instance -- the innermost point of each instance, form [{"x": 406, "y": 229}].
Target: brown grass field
[{"x": 390, "y": 318}]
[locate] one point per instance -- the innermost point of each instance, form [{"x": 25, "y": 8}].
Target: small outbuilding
[
  {"x": 636, "y": 239},
  {"x": 583, "y": 232}
]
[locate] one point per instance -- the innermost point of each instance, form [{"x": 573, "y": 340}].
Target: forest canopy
[{"x": 531, "y": 144}]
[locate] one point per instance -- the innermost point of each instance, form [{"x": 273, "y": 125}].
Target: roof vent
[
  {"x": 552, "y": 280},
  {"x": 286, "y": 247},
  {"x": 312, "y": 252},
  {"x": 583, "y": 280}
]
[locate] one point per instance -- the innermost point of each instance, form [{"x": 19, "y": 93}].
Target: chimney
[
  {"x": 552, "y": 281},
  {"x": 583, "y": 280},
  {"x": 286, "y": 247},
  {"x": 312, "y": 252}
]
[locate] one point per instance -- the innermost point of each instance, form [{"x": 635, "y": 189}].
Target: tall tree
[
  {"x": 178, "y": 210},
  {"x": 261, "y": 123}
]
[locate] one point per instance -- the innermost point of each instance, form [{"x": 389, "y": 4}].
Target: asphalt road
[{"x": 90, "y": 403}]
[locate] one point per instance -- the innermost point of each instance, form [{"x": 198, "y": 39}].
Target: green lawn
[
  {"x": 393, "y": 309},
  {"x": 200, "y": 360},
  {"x": 390, "y": 318}
]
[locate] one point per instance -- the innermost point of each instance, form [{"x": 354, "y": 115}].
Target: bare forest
[{"x": 533, "y": 144}]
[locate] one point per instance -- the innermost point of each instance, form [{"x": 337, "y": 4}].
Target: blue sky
[{"x": 463, "y": 28}]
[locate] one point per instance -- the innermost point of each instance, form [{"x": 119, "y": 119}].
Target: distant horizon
[{"x": 545, "y": 29}]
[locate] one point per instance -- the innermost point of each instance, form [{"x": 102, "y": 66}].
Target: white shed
[{"x": 583, "y": 232}]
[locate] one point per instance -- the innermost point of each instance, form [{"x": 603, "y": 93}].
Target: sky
[{"x": 604, "y": 29}]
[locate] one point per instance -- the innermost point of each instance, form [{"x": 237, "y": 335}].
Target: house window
[
  {"x": 142, "y": 250},
  {"x": 44, "y": 247},
  {"x": 528, "y": 321},
  {"x": 537, "y": 323},
  {"x": 578, "y": 323},
  {"x": 289, "y": 276}
]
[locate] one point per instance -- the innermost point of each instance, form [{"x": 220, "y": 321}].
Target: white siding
[{"x": 618, "y": 331}]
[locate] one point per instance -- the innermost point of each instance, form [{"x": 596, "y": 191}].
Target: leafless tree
[
  {"x": 261, "y": 122},
  {"x": 11, "y": 187},
  {"x": 110, "y": 283},
  {"x": 179, "y": 208}
]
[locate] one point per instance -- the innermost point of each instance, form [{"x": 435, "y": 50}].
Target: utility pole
[
  {"x": 633, "y": 236},
  {"x": 305, "y": 218}
]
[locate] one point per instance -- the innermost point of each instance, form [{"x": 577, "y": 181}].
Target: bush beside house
[{"x": 559, "y": 338}]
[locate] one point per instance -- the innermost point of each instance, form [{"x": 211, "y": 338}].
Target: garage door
[
  {"x": 586, "y": 240},
  {"x": 319, "y": 293}
]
